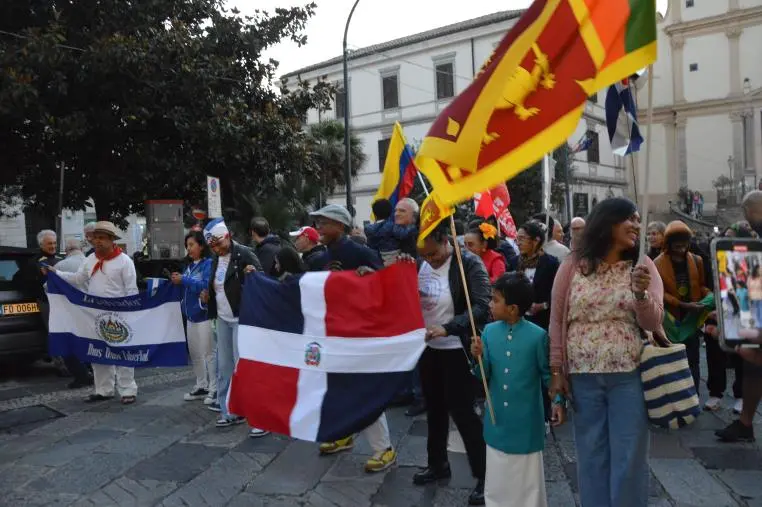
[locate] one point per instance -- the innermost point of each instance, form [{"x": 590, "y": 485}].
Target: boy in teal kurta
[{"x": 515, "y": 356}]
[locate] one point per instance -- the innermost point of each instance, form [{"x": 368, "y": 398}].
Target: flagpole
[
  {"x": 647, "y": 173},
  {"x": 633, "y": 154},
  {"x": 546, "y": 197},
  {"x": 459, "y": 256}
]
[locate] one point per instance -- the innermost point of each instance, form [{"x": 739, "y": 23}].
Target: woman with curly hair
[{"x": 482, "y": 241}]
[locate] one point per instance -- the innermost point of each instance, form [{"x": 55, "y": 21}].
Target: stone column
[
  {"x": 681, "y": 150},
  {"x": 673, "y": 172},
  {"x": 734, "y": 57},
  {"x": 736, "y": 121},
  {"x": 678, "y": 88}
]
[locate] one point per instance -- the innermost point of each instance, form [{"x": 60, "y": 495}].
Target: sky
[{"x": 374, "y": 21}]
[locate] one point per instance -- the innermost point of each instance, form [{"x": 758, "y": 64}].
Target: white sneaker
[
  {"x": 713, "y": 404},
  {"x": 210, "y": 399},
  {"x": 257, "y": 433},
  {"x": 738, "y": 406}
]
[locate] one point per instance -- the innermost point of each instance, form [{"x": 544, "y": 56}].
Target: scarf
[
  {"x": 101, "y": 259},
  {"x": 529, "y": 261}
]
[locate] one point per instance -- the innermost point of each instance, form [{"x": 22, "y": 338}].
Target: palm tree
[{"x": 328, "y": 152}]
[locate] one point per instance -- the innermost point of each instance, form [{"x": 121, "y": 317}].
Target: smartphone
[{"x": 737, "y": 271}]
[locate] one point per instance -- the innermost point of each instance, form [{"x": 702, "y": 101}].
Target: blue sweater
[
  {"x": 385, "y": 235},
  {"x": 195, "y": 279}
]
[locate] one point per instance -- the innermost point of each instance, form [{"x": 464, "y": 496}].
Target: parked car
[{"x": 22, "y": 331}]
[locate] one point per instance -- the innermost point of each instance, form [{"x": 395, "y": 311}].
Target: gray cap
[{"x": 334, "y": 212}]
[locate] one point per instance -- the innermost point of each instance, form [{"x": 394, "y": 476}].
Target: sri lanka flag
[
  {"x": 399, "y": 169},
  {"x": 531, "y": 92},
  {"x": 322, "y": 354}
]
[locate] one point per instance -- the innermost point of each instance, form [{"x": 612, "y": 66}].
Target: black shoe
[
  {"x": 736, "y": 432},
  {"x": 80, "y": 382},
  {"x": 432, "y": 474},
  {"x": 477, "y": 495},
  {"x": 94, "y": 398},
  {"x": 417, "y": 409}
]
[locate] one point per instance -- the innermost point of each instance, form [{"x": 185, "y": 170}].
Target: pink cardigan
[{"x": 649, "y": 312}]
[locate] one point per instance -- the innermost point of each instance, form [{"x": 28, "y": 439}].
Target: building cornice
[
  {"x": 730, "y": 22},
  {"x": 666, "y": 114}
]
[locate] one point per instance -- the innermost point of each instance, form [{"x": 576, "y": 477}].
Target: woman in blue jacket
[{"x": 194, "y": 279}]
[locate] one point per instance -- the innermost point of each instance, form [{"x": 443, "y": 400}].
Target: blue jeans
[
  {"x": 612, "y": 438},
  {"x": 227, "y": 357}
]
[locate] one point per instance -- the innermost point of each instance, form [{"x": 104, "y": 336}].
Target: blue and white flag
[
  {"x": 583, "y": 144},
  {"x": 619, "y": 97},
  {"x": 139, "y": 330}
]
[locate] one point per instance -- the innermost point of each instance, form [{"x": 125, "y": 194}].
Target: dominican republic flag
[
  {"x": 141, "y": 330},
  {"x": 323, "y": 354},
  {"x": 618, "y": 97}
]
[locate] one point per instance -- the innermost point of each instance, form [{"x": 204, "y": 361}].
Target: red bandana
[{"x": 101, "y": 259}]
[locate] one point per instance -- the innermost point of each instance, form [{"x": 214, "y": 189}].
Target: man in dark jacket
[
  {"x": 307, "y": 242},
  {"x": 266, "y": 245},
  {"x": 231, "y": 263},
  {"x": 342, "y": 254}
]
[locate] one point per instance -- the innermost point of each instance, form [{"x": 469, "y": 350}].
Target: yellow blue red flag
[{"x": 400, "y": 170}]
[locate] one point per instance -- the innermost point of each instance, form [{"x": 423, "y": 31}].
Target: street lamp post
[
  {"x": 745, "y": 115},
  {"x": 347, "y": 147}
]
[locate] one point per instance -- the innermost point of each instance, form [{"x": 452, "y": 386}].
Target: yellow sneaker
[
  {"x": 343, "y": 444},
  {"x": 381, "y": 461}
]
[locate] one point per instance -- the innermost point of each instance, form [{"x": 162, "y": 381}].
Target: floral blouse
[{"x": 603, "y": 334}]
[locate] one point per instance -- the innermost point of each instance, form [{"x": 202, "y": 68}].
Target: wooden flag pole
[
  {"x": 546, "y": 198},
  {"x": 459, "y": 255},
  {"x": 468, "y": 303},
  {"x": 647, "y": 172}
]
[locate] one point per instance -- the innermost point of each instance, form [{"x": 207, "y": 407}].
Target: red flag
[{"x": 483, "y": 205}]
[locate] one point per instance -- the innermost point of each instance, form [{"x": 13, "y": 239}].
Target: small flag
[
  {"x": 432, "y": 213},
  {"x": 483, "y": 205},
  {"x": 583, "y": 144},
  {"x": 400, "y": 171},
  {"x": 141, "y": 330},
  {"x": 618, "y": 97},
  {"x": 531, "y": 92},
  {"x": 318, "y": 365}
]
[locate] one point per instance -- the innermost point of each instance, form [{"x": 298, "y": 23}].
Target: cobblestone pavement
[{"x": 162, "y": 451}]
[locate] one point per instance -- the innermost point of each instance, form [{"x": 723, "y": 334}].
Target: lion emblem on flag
[
  {"x": 112, "y": 328},
  {"x": 312, "y": 354}
]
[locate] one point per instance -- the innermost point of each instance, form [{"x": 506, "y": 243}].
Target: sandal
[
  {"x": 128, "y": 400},
  {"x": 94, "y": 398}
]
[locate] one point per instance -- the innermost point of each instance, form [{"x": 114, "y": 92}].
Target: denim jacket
[{"x": 195, "y": 279}]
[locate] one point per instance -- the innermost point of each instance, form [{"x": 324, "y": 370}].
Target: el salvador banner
[
  {"x": 323, "y": 354},
  {"x": 140, "y": 330}
]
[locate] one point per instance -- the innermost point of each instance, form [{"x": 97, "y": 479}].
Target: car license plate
[{"x": 18, "y": 308}]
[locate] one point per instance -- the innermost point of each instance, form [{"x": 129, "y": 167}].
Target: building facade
[
  {"x": 707, "y": 128},
  {"x": 412, "y": 79}
]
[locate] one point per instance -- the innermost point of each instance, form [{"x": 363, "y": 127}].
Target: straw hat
[{"x": 107, "y": 227}]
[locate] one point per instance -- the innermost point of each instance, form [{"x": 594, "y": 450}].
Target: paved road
[{"x": 55, "y": 450}]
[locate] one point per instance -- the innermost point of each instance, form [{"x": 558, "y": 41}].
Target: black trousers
[
  {"x": 693, "y": 351},
  {"x": 447, "y": 388},
  {"x": 718, "y": 361}
]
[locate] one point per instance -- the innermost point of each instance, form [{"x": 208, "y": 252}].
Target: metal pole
[
  {"x": 59, "y": 222},
  {"x": 347, "y": 147}
]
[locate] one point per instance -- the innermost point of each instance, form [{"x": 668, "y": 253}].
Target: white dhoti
[{"x": 514, "y": 480}]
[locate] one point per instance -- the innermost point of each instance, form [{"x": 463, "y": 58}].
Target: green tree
[
  {"x": 328, "y": 152},
  {"x": 142, "y": 100}
]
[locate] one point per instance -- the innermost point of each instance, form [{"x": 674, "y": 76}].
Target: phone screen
[{"x": 737, "y": 267}]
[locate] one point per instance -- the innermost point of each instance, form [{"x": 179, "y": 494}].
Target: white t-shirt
[
  {"x": 436, "y": 302},
  {"x": 556, "y": 249},
  {"x": 224, "y": 310}
]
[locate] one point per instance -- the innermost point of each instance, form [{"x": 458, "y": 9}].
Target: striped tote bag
[{"x": 670, "y": 394}]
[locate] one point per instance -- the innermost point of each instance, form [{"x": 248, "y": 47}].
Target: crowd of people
[{"x": 555, "y": 322}]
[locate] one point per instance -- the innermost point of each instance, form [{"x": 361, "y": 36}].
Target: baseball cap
[
  {"x": 334, "y": 212},
  {"x": 309, "y": 232}
]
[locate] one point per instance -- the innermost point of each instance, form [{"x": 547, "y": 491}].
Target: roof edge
[{"x": 461, "y": 26}]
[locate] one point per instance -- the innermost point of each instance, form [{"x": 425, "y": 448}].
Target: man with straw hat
[{"x": 109, "y": 273}]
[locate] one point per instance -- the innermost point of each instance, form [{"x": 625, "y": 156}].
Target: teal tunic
[{"x": 516, "y": 365}]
